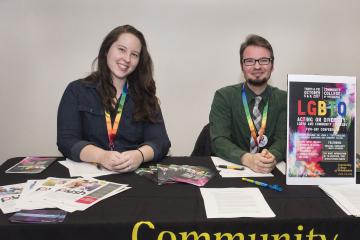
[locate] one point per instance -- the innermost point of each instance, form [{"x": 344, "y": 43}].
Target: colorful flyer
[{"x": 321, "y": 130}]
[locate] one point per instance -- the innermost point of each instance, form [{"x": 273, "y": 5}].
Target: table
[{"x": 176, "y": 211}]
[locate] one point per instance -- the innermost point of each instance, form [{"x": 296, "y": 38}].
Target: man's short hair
[{"x": 255, "y": 40}]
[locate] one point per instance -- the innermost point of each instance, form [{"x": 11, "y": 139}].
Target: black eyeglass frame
[{"x": 257, "y": 60}]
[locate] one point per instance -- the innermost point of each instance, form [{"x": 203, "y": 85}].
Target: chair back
[{"x": 203, "y": 143}]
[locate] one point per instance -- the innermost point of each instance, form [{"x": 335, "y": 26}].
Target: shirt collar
[
  {"x": 251, "y": 95},
  {"x": 94, "y": 85}
]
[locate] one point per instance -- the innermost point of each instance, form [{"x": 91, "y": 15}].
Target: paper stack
[
  {"x": 84, "y": 169},
  {"x": 347, "y": 197},
  {"x": 235, "y": 202},
  {"x": 230, "y": 173}
]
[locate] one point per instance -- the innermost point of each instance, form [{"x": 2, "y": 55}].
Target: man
[{"x": 248, "y": 120}]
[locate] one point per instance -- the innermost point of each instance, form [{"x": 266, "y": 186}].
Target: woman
[{"x": 112, "y": 117}]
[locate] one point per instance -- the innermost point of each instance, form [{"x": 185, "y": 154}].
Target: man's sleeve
[
  {"x": 278, "y": 148},
  {"x": 220, "y": 129}
]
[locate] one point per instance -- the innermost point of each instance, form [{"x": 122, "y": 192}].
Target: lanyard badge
[
  {"x": 260, "y": 139},
  {"x": 112, "y": 129}
]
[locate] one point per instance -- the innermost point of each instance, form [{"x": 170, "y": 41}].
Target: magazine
[{"x": 31, "y": 165}]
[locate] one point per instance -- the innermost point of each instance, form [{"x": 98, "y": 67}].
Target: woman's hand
[{"x": 127, "y": 161}]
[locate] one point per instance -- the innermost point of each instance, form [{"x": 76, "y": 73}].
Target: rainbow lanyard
[
  {"x": 250, "y": 120},
  {"x": 112, "y": 130}
]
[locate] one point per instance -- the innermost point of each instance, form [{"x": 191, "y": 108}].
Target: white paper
[
  {"x": 235, "y": 202},
  {"x": 347, "y": 197},
  {"x": 247, "y": 172},
  {"x": 84, "y": 169},
  {"x": 281, "y": 166},
  {"x": 29, "y": 187}
]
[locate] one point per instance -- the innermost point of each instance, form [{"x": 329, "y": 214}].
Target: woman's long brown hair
[{"x": 141, "y": 83}]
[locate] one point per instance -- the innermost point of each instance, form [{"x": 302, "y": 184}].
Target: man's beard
[{"x": 257, "y": 82}]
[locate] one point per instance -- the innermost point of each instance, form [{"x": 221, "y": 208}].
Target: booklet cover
[
  {"x": 38, "y": 216},
  {"x": 321, "y": 130},
  {"x": 31, "y": 165}
]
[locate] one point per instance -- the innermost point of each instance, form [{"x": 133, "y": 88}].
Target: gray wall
[{"x": 45, "y": 44}]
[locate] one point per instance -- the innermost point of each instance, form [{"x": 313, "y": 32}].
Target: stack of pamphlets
[
  {"x": 31, "y": 165},
  {"x": 67, "y": 194},
  {"x": 161, "y": 174}
]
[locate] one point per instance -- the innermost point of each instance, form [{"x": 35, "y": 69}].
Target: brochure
[
  {"x": 321, "y": 130},
  {"x": 81, "y": 193},
  {"x": 9, "y": 194},
  {"x": 34, "y": 190},
  {"x": 149, "y": 173},
  {"x": 163, "y": 175},
  {"x": 31, "y": 165},
  {"x": 195, "y": 175}
]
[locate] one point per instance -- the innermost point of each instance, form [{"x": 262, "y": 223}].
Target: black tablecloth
[{"x": 176, "y": 211}]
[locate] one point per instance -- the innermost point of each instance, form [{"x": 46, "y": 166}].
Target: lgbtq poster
[{"x": 321, "y": 130}]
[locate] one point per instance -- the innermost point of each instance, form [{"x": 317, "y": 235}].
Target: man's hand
[{"x": 263, "y": 162}]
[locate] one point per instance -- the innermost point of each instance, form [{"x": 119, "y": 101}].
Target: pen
[
  {"x": 33, "y": 184},
  {"x": 230, "y": 167},
  {"x": 98, "y": 166},
  {"x": 263, "y": 184}
]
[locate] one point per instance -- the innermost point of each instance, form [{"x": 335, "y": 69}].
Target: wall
[{"x": 45, "y": 44}]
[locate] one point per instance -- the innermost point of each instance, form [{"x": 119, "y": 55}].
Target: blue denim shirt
[{"x": 81, "y": 121}]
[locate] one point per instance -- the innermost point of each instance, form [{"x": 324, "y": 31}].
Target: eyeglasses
[{"x": 252, "y": 61}]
